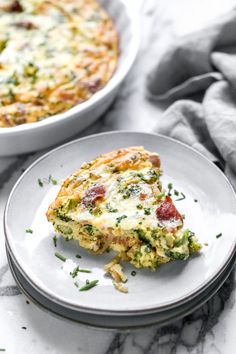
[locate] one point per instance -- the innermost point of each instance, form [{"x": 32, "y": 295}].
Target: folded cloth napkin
[{"x": 204, "y": 61}]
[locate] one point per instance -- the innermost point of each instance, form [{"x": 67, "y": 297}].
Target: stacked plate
[{"x": 171, "y": 292}]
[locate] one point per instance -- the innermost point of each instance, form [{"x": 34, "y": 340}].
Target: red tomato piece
[
  {"x": 92, "y": 195},
  {"x": 155, "y": 160},
  {"x": 167, "y": 211}
]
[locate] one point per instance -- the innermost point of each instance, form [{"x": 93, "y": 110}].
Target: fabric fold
[{"x": 204, "y": 61}]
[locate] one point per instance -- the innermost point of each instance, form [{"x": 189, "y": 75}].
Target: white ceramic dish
[
  {"x": 116, "y": 322},
  {"x": 55, "y": 129},
  {"x": 173, "y": 284}
]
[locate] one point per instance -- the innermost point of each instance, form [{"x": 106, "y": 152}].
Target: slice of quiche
[{"x": 117, "y": 202}]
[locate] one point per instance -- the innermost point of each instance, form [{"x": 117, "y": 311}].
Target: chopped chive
[
  {"x": 40, "y": 183},
  {"x": 182, "y": 198},
  {"x": 87, "y": 281},
  {"x": 133, "y": 273},
  {"x": 58, "y": 255},
  {"x": 76, "y": 284},
  {"x": 170, "y": 187},
  {"x": 48, "y": 180},
  {"x": 219, "y": 235},
  {"x": 119, "y": 219},
  {"x": 53, "y": 180},
  {"x": 54, "y": 240},
  {"x": 147, "y": 211},
  {"x": 2, "y": 350},
  {"x": 29, "y": 231},
  {"x": 85, "y": 271},
  {"x": 78, "y": 256},
  {"x": 176, "y": 193},
  {"x": 77, "y": 269},
  {"x": 89, "y": 285}
]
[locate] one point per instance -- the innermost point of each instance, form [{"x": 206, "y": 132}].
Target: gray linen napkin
[{"x": 204, "y": 61}]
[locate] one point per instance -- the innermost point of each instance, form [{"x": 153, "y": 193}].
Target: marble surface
[{"x": 25, "y": 329}]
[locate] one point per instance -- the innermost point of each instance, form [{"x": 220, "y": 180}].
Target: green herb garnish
[
  {"x": 219, "y": 235},
  {"x": 133, "y": 189},
  {"x": 89, "y": 229},
  {"x": 48, "y": 180},
  {"x": 54, "y": 239},
  {"x": 2, "y": 350},
  {"x": 133, "y": 273},
  {"x": 110, "y": 209},
  {"x": 54, "y": 181},
  {"x": 142, "y": 236},
  {"x": 78, "y": 256},
  {"x": 89, "y": 285},
  {"x": 147, "y": 211},
  {"x": 182, "y": 198},
  {"x": 150, "y": 177},
  {"x": 11, "y": 94},
  {"x": 40, "y": 183},
  {"x": 85, "y": 271},
  {"x": 77, "y": 269},
  {"x": 139, "y": 206},
  {"x": 176, "y": 255},
  {"x": 120, "y": 218},
  {"x": 75, "y": 272},
  {"x": 58, "y": 255},
  {"x": 170, "y": 187},
  {"x": 29, "y": 231},
  {"x": 176, "y": 193}
]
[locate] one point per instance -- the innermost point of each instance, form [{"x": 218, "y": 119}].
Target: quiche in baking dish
[
  {"x": 54, "y": 54},
  {"x": 117, "y": 202}
]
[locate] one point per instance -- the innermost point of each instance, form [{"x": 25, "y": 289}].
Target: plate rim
[
  {"x": 87, "y": 309},
  {"x": 180, "y": 315}
]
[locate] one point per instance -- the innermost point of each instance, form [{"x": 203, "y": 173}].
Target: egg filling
[{"x": 117, "y": 202}]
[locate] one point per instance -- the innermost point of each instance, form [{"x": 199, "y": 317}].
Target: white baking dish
[{"x": 55, "y": 129}]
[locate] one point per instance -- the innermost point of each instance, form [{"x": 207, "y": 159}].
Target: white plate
[
  {"x": 173, "y": 283},
  {"x": 55, "y": 129},
  {"x": 117, "y": 322}
]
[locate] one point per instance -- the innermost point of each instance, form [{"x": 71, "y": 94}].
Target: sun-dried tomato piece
[
  {"x": 167, "y": 211},
  {"x": 155, "y": 160},
  {"x": 14, "y": 6},
  {"x": 92, "y": 195}
]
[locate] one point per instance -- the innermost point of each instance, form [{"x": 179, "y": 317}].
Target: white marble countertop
[{"x": 210, "y": 329}]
